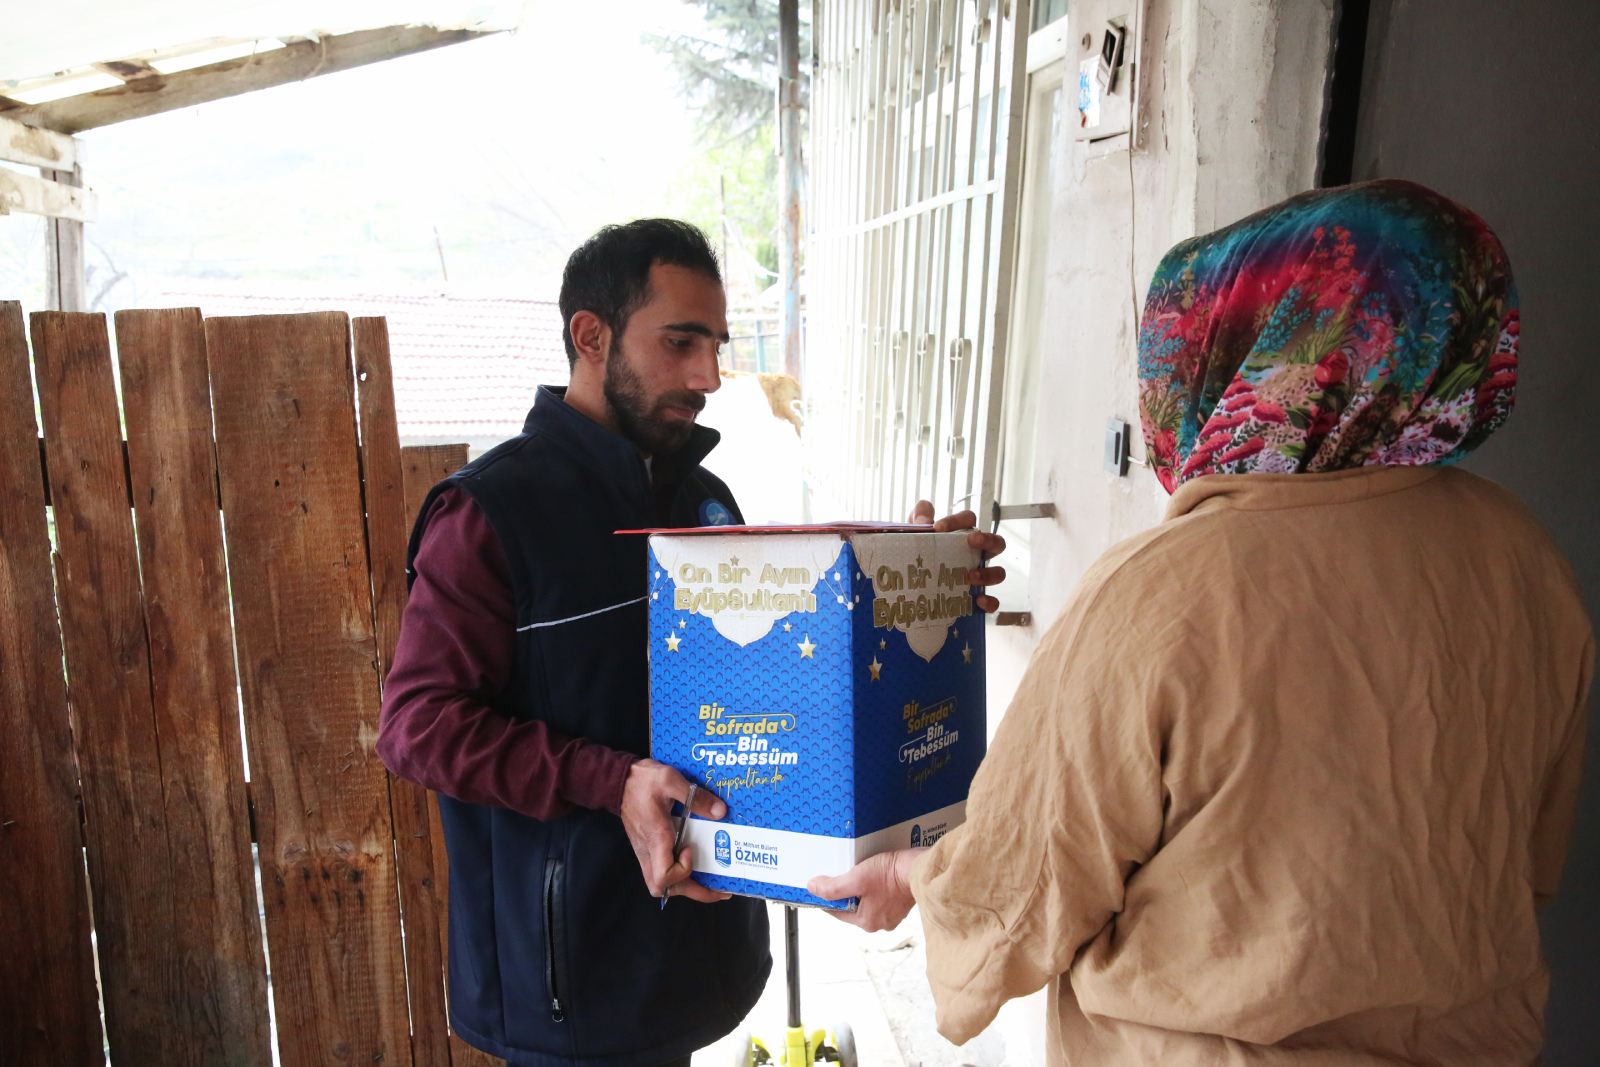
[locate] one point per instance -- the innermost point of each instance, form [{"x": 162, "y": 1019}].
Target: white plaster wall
[
  {"x": 1232, "y": 105},
  {"x": 1233, "y": 97}
]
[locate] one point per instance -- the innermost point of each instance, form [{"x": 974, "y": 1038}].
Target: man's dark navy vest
[{"x": 558, "y": 952}]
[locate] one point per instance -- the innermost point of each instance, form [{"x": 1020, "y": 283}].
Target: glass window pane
[{"x": 1047, "y": 11}]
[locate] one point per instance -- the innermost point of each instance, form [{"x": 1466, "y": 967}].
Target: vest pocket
[{"x": 554, "y": 939}]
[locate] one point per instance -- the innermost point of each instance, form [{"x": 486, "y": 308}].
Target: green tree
[{"x": 728, "y": 74}]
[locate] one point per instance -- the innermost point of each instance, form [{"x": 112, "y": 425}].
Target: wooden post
[
  {"x": 48, "y": 1012},
  {"x": 302, "y": 597},
  {"x": 172, "y": 469},
  {"x": 388, "y": 530},
  {"x": 129, "y": 852},
  {"x": 792, "y": 176},
  {"x": 64, "y": 256},
  {"x": 423, "y": 467}
]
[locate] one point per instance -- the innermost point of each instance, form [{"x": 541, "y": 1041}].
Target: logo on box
[{"x": 724, "y": 849}]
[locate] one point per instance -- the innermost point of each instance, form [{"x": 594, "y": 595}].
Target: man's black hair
[{"x": 609, "y": 274}]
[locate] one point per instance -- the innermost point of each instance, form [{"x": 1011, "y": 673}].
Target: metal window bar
[{"x": 915, "y": 103}]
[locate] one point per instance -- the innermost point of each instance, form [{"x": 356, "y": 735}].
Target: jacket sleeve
[
  {"x": 455, "y": 652},
  {"x": 1066, "y": 804}
]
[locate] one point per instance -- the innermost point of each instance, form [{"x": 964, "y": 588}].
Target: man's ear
[{"x": 591, "y": 337}]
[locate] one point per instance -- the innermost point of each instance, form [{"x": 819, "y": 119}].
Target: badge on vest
[{"x": 713, "y": 513}]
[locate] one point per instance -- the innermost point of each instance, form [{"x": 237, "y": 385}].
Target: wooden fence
[{"x": 231, "y": 535}]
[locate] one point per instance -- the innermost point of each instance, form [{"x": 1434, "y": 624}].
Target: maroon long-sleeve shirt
[{"x": 455, "y": 653}]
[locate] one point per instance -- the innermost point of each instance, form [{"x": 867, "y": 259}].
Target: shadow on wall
[{"x": 1447, "y": 103}]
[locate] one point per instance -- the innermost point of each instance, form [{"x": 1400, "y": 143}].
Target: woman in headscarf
[{"x": 1290, "y": 776}]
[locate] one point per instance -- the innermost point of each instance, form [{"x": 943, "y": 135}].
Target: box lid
[{"x": 821, "y": 527}]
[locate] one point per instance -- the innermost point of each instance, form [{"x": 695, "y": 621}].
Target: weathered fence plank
[
  {"x": 383, "y": 477},
  {"x": 383, "y": 481},
  {"x": 48, "y": 1010},
  {"x": 119, "y": 758},
  {"x": 172, "y": 464},
  {"x": 424, "y": 466},
  {"x": 318, "y": 601},
  {"x": 291, "y": 494}
]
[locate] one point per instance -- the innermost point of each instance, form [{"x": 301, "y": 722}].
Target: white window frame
[
  {"x": 1043, "y": 143},
  {"x": 914, "y": 105}
]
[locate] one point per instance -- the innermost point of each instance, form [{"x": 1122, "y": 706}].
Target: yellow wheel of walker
[{"x": 836, "y": 1047}]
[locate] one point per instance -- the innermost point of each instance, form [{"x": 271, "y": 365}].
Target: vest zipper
[{"x": 554, "y": 937}]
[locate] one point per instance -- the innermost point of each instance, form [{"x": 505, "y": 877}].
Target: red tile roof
[{"x": 463, "y": 366}]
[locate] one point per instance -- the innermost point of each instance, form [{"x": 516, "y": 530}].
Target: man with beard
[{"x": 519, "y": 690}]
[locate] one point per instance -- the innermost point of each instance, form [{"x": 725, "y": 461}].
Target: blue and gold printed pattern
[
  {"x": 783, "y": 693},
  {"x": 827, "y": 724}
]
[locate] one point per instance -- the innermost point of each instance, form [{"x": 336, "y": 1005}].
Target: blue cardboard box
[{"x": 827, "y": 683}]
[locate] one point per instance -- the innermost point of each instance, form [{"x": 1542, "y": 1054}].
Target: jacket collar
[
  {"x": 610, "y": 452},
  {"x": 1275, "y": 492}
]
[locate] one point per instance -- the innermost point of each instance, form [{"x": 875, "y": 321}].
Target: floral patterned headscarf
[{"x": 1372, "y": 324}]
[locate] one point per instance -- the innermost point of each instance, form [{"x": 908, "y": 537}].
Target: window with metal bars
[{"x": 914, "y": 105}]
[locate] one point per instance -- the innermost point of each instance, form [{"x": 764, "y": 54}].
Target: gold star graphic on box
[
  {"x": 807, "y": 647},
  {"x": 673, "y": 640},
  {"x": 876, "y": 668},
  {"x": 787, "y": 627},
  {"x": 682, "y": 623},
  {"x": 966, "y": 654},
  {"x": 883, "y": 644}
]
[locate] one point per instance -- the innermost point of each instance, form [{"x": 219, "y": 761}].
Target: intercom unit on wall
[{"x": 1105, "y": 37}]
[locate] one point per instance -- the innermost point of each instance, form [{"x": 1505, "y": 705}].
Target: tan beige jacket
[{"x": 1283, "y": 784}]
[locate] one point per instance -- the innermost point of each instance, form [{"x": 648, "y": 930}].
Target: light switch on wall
[{"x": 1117, "y": 456}]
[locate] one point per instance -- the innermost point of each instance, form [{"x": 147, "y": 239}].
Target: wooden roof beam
[
  {"x": 128, "y": 70},
  {"x": 144, "y": 96},
  {"x": 39, "y": 196},
  {"x": 34, "y": 147}
]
